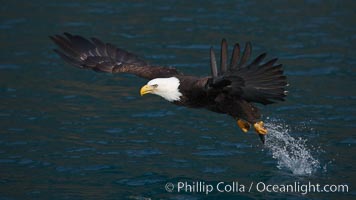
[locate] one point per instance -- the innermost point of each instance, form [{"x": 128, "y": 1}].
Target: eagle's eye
[{"x": 155, "y": 85}]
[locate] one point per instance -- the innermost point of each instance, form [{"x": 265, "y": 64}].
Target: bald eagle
[{"x": 232, "y": 89}]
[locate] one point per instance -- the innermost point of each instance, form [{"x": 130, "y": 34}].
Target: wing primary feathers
[
  {"x": 223, "y": 56},
  {"x": 213, "y": 65},
  {"x": 255, "y": 81},
  {"x": 64, "y": 44},
  {"x": 258, "y": 60},
  {"x": 269, "y": 63},
  {"x": 245, "y": 55},
  {"x": 81, "y": 44},
  {"x": 235, "y": 56}
]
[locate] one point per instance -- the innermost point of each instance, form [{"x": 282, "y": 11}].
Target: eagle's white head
[{"x": 164, "y": 87}]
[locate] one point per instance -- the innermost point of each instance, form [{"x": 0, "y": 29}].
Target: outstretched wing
[
  {"x": 254, "y": 82},
  {"x": 105, "y": 57}
]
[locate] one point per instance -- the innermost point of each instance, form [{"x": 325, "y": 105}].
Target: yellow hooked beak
[{"x": 146, "y": 89}]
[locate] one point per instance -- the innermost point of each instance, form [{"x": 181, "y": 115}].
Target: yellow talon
[
  {"x": 244, "y": 126},
  {"x": 259, "y": 128}
]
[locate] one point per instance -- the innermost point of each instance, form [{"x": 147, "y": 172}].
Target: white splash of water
[{"x": 291, "y": 153}]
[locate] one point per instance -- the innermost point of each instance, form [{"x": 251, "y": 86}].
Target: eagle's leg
[
  {"x": 244, "y": 126},
  {"x": 250, "y": 115},
  {"x": 259, "y": 128}
]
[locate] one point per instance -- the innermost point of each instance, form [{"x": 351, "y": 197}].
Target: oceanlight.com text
[{"x": 261, "y": 187}]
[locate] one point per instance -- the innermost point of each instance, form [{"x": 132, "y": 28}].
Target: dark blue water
[{"x": 73, "y": 134}]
